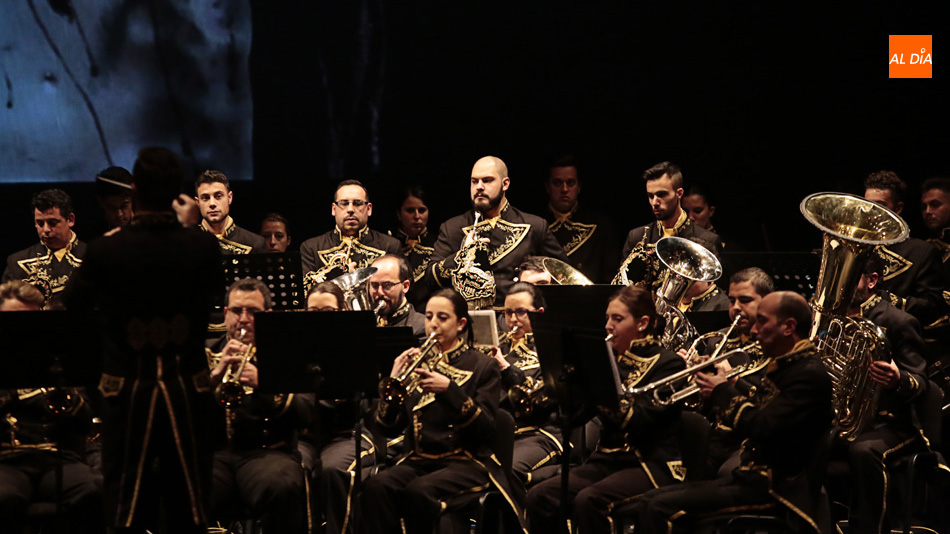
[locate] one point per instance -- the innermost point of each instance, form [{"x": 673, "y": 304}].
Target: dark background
[{"x": 760, "y": 103}]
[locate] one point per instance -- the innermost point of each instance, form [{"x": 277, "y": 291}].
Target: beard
[
  {"x": 489, "y": 204},
  {"x": 666, "y": 214}
]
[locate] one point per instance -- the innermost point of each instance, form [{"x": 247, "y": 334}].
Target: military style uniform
[
  {"x": 256, "y": 461},
  {"x": 237, "y": 240},
  {"x": 912, "y": 271},
  {"x": 512, "y": 236},
  {"x": 328, "y": 256},
  {"x": 713, "y": 299},
  {"x": 589, "y": 241},
  {"x": 640, "y": 263},
  {"x": 638, "y": 451},
  {"x": 417, "y": 252},
  {"x": 153, "y": 283},
  {"x": 34, "y": 444},
  {"x": 38, "y": 261},
  {"x": 406, "y": 315},
  {"x": 780, "y": 425},
  {"x": 447, "y": 442},
  {"x": 537, "y": 438}
]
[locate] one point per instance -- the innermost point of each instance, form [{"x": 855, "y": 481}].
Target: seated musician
[
  {"x": 532, "y": 271},
  {"x": 780, "y": 426},
  {"x": 536, "y": 437},
  {"x": 389, "y": 285},
  {"x": 43, "y": 431},
  {"x": 448, "y": 416},
  {"x": 257, "y": 465},
  {"x": 639, "y": 444}
]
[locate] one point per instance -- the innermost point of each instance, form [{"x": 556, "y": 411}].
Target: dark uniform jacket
[
  {"x": 39, "y": 262},
  {"x": 912, "y": 271},
  {"x": 264, "y": 421},
  {"x": 640, "y": 263},
  {"x": 327, "y": 256},
  {"x": 153, "y": 283},
  {"x": 514, "y": 236},
  {"x": 525, "y": 370},
  {"x": 713, "y": 299},
  {"x": 417, "y": 252},
  {"x": 406, "y": 315},
  {"x": 942, "y": 243},
  {"x": 26, "y": 418},
  {"x": 237, "y": 240},
  {"x": 589, "y": 240},
  {"x": 789, "y": 414}
]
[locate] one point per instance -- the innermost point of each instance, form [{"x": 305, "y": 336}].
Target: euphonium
[
  {"x": 686, "y": 262},
  {"x": 396, "y": 390},
  {"x": 852, "y": 228},
  {"x": 230, "y": 392}
]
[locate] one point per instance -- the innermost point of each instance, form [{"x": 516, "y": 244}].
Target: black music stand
[
  {"x": 578, "y": 305},
  {"x": 281, "y": 272},
  {"x": 581, "y": 372},
  {"x": 790, "y": 271},
  {"x": 49, "y": 349}
]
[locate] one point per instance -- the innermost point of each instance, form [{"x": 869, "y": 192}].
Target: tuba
[
  {"x": 356, "y": 295},
  {"x": 563, "y": 274},
  {"x": 686, "y": 262},
  {"x": 852, "y": 228}
]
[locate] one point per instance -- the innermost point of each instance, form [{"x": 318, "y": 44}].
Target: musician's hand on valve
[
  {"x": 885, "y": 373},
  {"x": 683, "y": 353},
  {"x": 249, "y": 375},
  {"x": 708, "y": 382},
  {"x": 723, "y": 367},
  {"x": 401, "y": 361},
  {"x": 432, "y": 381},
  {"x": 228, "y": 359}
]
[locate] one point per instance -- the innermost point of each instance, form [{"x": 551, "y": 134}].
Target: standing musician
[
  {"x": 448, "y": 414},
  {"x": 664, "y": 185},
  {"x": 214, "y": 196},
  {"x": 59, "y": 251},
  {"x": 417, "y": 242},
  {"x": 587, "y": 235},
  {"x": 912, "y": 268},
  {"x": 780, "y": 427},
  {"x": 639, "y": 444},
  {"x": 390, "y": 284},
  {"x": 153, "y": 284},
  {"x": 901, "y": 380},
  {"x": 351, "y": 245},
  {"x": 43, "y": 431},
  {"x": 479, "y": 260},
  {"x": 257, "y": 464},
  {"x": 536, "y": 437}
]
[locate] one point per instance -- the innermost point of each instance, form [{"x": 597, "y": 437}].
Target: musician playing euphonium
[
  {"x": 448, "y": 419},
  {"x": 536, "y": 437},
  {"x": 257, "y": 465},
  {"x": 639, "y": 445}
]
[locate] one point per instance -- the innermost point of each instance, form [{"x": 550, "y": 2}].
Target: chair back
[
  {"x": 503, "y": 439},
  {"x": 930, "y": 414}
]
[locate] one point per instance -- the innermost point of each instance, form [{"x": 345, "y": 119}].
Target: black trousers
[
  {"x": 533, "y": 451},
  {"x": 337, "y": 478},
  {"x": 270, "y": 483},
  {"x": 415, "y": 491},
  {"x": 594, "y": 487},
  {"x": 670, "y": 508},
  {"x": 31, "y": 477}
]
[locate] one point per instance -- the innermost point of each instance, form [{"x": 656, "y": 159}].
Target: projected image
[{"x": 86, "y": 84}]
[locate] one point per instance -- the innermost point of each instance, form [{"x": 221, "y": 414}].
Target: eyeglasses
[
  {"x": 239, "y": 311},
  {"x": 520, "y": 312},
  {"x": 357, "y": 204},
  {"x": 324, "y": 308},
  {"x": 386, "y": 286}
]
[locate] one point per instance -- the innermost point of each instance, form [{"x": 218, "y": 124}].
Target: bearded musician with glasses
[
  {"x": 388, "y": 288},
  {"x": 351, "y": 245}
]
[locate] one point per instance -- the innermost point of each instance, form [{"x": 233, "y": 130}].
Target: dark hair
[
  {"x": 403, "y": 265},
  {"x": 53, "y": 198},
  {"x": 640, "y": 303},
  {"x": 21, "y": 291},
  {"x": 212, "y": 177},
  {"x": 664, "y": 167},
  {"x": 537, "y": 300},
  {"x": 793, "y": 306},
  {"x": 276, "y": 217},
  {"x": 331, "y": 289},
  {"x": 157, "y": 176},
  {"x": 250, "y": 284},
  {"x": 936, "y": 182},
  {"x": 761, "y": 281},
  {"x": 564, "y": 160},
  {"x": 345, "y": 183},
  {"x": 875, "y": 264},
  {"x": 700, "y": 192},
  {"x": 532, "y": 263},
  {"x": 460, "y": 307},
  {"x": 113, "y": 174},
  {"x": 411, "y": 191},
  {"x": 888, "y": 181}
]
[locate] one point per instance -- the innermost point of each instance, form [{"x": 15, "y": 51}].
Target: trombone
[{"x": 664, "y": 391}]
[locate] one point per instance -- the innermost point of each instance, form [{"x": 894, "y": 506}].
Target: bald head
[
  {"x": 489, "y": 183},
  {"x": 782, "y": 319},
  {"x": 791, "y": 305},
  {"x": 493, "y": 165}
]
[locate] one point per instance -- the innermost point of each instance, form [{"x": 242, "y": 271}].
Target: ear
[
  {"x": 71, "y": 220},
  {"x": 333, "y": 209},
  {"x": 873, "y": 279},
  {"x": 540, "y": 310},
  {"x": 642, "y": 323},
  {"x": 462, "y": 322},
  {"x": 369, "y": 209},
  {"x": 230, "y": 197},
  {"x": 405, "y": 286},
  {"x": 679, "y": 193},
  {"x": 789, "y": 326},
  {"x": 899, "y": 207},
  {"x": 712, "y": 210},
  {"x": 505, "y": 182}
]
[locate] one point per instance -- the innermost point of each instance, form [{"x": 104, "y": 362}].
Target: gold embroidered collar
[
  {"x": 678, "y": 228},
  {"x": 402, "y": 310},
  {"x": 870, "y": 303},
  {"x": 562, "y": 217},
  {"x": 409, "y": 241},
  {"x": 346, "y": 239}
]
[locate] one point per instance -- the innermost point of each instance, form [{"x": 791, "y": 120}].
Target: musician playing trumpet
[
  {"x": 536, "y": 437},
  {"x": 447, "y": 414}
]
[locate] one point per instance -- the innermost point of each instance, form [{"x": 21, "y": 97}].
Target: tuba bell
[
  {"x": 563, "y": 274},
  {"x": 686, "y": 262},
  {"x": 356, "y": 295},
  {"x": 853, "y": 227}
]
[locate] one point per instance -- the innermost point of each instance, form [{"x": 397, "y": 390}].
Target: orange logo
[{"x": 910, "y": 56}]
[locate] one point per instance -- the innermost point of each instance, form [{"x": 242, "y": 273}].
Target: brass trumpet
[
  {"x": 526, "y": 397},
  {"x": 664, "y": 391},
  {"x": 230, "y": 392},
  {"x": 397, "y": 389}
]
